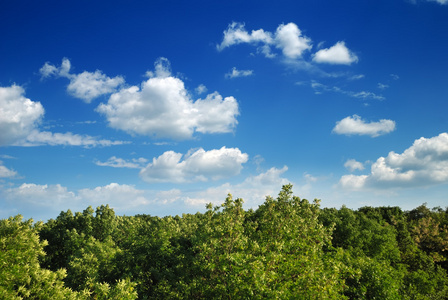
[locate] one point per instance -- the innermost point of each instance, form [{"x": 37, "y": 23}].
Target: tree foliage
[{"x": 288, "y": 248}]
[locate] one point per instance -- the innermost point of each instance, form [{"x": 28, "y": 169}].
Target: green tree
[{"x": 21, "y": 276}]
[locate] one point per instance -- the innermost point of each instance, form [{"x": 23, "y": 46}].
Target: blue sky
[{"x": 159, "y": 107}]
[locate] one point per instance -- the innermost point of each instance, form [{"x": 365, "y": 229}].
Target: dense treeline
[{"x": 289, "y": 248}]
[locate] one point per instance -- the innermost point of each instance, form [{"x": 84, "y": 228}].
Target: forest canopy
[{"x": 288, "y": 248}]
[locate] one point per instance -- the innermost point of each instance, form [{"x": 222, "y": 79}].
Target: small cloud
[
  {"x": 382, "y": 86},
  {"x": 116, "y": 162},
  {"x": 356, "y": 77},
  {"x": 394, "y": 77},
  {"x": 86, "y": 85},
  {"x": 354, "y": 125},
  {"x": 201, "y": 89},
  {"x": 353, "y": 165},
  {"x": 239, "y": 73},
  {"x": 337, "y": 54}
]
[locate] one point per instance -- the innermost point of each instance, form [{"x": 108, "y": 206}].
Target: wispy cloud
[
  {"x": 320, "y": 88},
  {"x": 235, "y": 73}
]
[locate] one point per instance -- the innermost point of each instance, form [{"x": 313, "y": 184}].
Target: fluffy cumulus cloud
[
  {"x": 86, "y": 85},
  {"x": 18, "y": 115},
  {"x": 288, "y": 38},
  {"x": 162, "y": 108},
  {"x": 337, "y": 54},
  {"x": 354, "y": 125},
  {"x": 424, "y": 163},
  {"x": 235, "y": 73},
  {"x": 196, "y": 165}
]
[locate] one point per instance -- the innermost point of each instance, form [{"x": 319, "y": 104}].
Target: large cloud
[
  {"x": 162, "y": 108},
  {"x": 198, "y": 165},
  {"x": 337, "y": 54},
  {"x": 86, "y": 85},
  {"x": 355, "y": 125},
  {"x": 424, "y": 163},
  {"x": 18, "y": 115}
]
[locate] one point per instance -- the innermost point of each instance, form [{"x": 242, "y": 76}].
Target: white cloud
[
  {"x": 288, "y": 38},
  {"x": 5, "y": 172},
  {"x": 86, "y": 85},
  {"x": 18, "y": 115},
  {"x": 319, "y": 88},
  {"x": 40, "y": 195},
  {"x": 55, "y": 198},
  {"x": 357, "y": 77},
  {"x": 337, "y": 54},
  {"x": 201, "y": 89},
  {"x": 353, "y": 165},
  {"x": 253, "y": 190},
  {"x": 355, "y": 125},
  {"x": 196, "y": 165},
  {"x": 382, "y": 86},
  {"x": 40, "y": 138},
  {"x": 117, "y": 162},
  {"x": 237, "y": 34},
  {"x": 239, "y": 73},
  {"x": 162, "y": 108},
  {"x": 118, "y": 196},
  {"x": 424, "y": 163},
  {"x": 443, "y": 2}
]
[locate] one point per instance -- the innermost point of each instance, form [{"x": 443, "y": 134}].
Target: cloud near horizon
[
  {"x": 425, "y": 163},
  {"x": 196, "y": 165}
]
